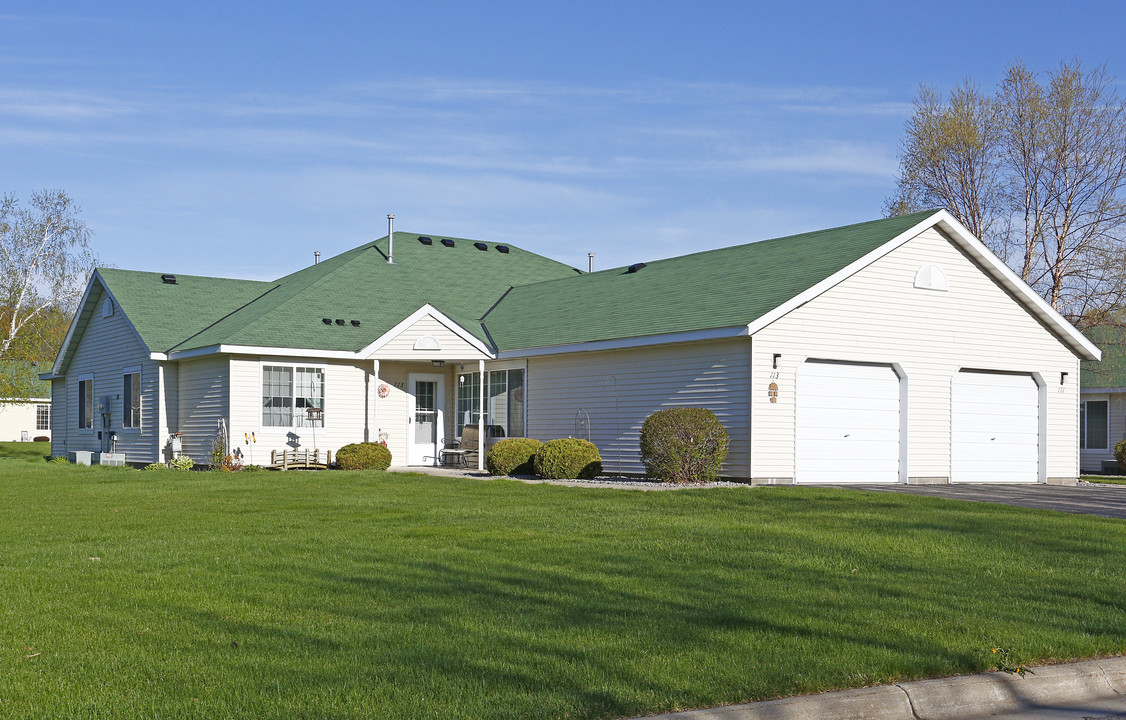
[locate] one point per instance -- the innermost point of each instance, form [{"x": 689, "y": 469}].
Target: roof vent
[
  {"x": 355, "y": 323},
  {"x": 168, "y": 279},
  {"x": 339, "y": 321},
  {"x": 635, "y": 267},
  {"x": 447, "y": 242},
  {"x": 326, "y": 321},
  {"x": 480, "y": 246},
  {"x": 931, "y": 277},
  {"x": 425, "y": 240},
  {"x": 502, "y": 249}
]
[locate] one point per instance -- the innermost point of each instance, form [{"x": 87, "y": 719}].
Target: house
[
  {"x": 1102, "y": 406},
  {"x": 897, "y": 350},
  {"x": 28, "y": 417}
]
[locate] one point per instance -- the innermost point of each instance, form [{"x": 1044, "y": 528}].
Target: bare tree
[
  {"x": 1040, "y": 177},
  {"x": 44, "y": 263}
]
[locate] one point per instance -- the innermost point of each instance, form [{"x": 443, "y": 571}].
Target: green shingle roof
[
  {"x": 461, "y": 281},
  {"x": 1110, "y": 372},
  {"x": 707, "y": 290}
]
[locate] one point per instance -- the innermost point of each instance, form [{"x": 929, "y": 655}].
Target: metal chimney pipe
[
  {"x": 316, "y": 257},
  {"x": 590, "y": 262},
  {"x": 390, "y": 239}
]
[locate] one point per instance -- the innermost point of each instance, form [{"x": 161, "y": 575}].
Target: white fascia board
[
  {"x": 625, "y": 343},
  {"x": 1079, "y": 344},
  {"x": 24, "y": 401},
  {"x": 414, "y": 317},
  {"x": 263, "y": 350},
  {"x": 1102, "y": 391},
  {"x": 158, "y": 356}
]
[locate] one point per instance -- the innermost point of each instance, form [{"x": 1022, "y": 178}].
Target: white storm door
[
  {"x": 994, "y": 428},
  {"x": 848, "y": 425},
  {"x": 426, "y": 415}
]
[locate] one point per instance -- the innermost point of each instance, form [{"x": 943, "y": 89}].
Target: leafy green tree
[
  {"x": 1037, "y": 171},
  {"x": 45, "y": 261}
]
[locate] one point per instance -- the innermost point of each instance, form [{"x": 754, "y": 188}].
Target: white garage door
[
  {"x": 847, "y": 423},
  {"x": 995, "y": 428}
]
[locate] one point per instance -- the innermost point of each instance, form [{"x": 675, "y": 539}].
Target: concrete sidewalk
[{"x": 1082, "y": 690}]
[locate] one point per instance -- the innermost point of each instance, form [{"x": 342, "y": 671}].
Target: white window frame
[
  {"x": 46, "y": 409},
  {"x": 1086, "y": 425},
  {"x": 262, "y": 365},
  {"x": 127, "y": 412},
  {"x": 491, "y": 368},
  {"x": 81, "y": 404}
]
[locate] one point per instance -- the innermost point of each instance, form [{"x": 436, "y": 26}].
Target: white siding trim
[{"x": 414, "y": 317}]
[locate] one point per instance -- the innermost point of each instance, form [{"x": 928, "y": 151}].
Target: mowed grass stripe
[{"x": 356, "y": 595}]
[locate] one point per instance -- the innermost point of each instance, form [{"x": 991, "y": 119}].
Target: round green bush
[
  {"x": 1120, "y": 454},
  {"x": 683, "y": 445},
  {"x": 514, "y": 456},
  {"x": 182, "y": 462},
  {"x": 568, "y": 459},
  {"x": 363, "y": 456}
]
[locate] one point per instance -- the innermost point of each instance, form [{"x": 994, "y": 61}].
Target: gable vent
[
  {"x": 502, "y": 249},
  {"x": 480, "y": 246},
  {"x": 427, "y": 342},
  {"x": 425, "y": 240},
  {"x": 635, "y": 267},
  {"x": 447, "y": 242},
  {"x": 931, "y": 277},
  {"x": 168, "y": 279}
]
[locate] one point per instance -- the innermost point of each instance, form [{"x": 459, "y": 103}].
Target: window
[
  {"x": 1093, "y": 425},
  {"x": 131, "y": 399},
  {"x": 504, "y": 398},
  {"x": 292, "y": 396},
  {"x": 42, "y": 417},
  {"x": 86, "y": 402}
]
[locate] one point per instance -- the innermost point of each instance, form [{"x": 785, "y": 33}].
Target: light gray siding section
[
  {"x": 59, "y": 425},
  {"x": 203, "y": 398},
  {"x": 106, "y": 348},
  {"x": 618, "y": 389},
  {"x": 878, "y": 316}
]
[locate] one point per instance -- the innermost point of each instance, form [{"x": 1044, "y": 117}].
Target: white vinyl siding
[
  {"x": 878, "y": 316},
  {"x": 203, "y": 399},
  {"x": 106, "y": 346},
  {"x": 995, "y": 428},
  {"x": 451, "y": 345},
  {"x": 17, "y": 418},
  {"x": 848, "y": 423},
  {"x": 346, "y": 401},
  {"x": 617, "y": 390}
]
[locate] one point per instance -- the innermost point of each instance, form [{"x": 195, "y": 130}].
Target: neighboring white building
[
  {"x": 25, "y": 419},
  {"x": 1102, "y": 410},
  {"x": 899, "y": 350}
]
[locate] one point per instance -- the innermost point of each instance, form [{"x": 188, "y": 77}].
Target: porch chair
[{"x": 463, "y": 450}]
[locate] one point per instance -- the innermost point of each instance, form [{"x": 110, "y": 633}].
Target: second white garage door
[
  {"x": 847, "y": 423},
  {"x": 995, "y": 428}
]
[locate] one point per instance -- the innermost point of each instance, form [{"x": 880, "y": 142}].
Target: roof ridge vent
[{"x": 635, "y": 267}]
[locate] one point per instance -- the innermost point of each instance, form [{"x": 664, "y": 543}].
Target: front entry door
[{"x": 425, "y": 417}]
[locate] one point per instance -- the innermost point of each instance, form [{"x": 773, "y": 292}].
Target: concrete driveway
[{"x": 1083, "y": 499}]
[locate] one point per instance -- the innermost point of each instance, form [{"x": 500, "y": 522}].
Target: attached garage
[
  {"x": 848, "y": 423},
  {"x": 995, "y": 427}
]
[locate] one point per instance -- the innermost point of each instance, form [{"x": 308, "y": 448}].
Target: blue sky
[{"x": 235, "y": 139}]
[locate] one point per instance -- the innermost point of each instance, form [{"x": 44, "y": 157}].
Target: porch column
[
  {"x": 481, "y": 420},
  {"x": 372, "y": 390}
]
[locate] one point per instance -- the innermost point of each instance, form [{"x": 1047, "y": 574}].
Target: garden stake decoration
[{"x": 250, "y": 440}]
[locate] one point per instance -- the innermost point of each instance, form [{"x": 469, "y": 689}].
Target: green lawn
[
  {"x": 1106, "y": 479},
  {"x": 127, "y": 594}
]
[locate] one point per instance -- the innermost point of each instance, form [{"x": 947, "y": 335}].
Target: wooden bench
[{"x": 300, "y": 459}]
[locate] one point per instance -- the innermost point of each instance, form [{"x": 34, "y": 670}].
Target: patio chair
[{"x": 464, "y": 451}]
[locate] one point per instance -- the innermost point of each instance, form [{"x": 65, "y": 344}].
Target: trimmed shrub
[
  {"x": 683, "y": 445},
  {"x": 41, "y": 438},
  {"x": 363, "y": 456},
  {"x": 568, "y": 459},
  {"x": 1120, "y": 454},
  {"x": 182, "y": 462},
  {"x": 514, "y": 456}
]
